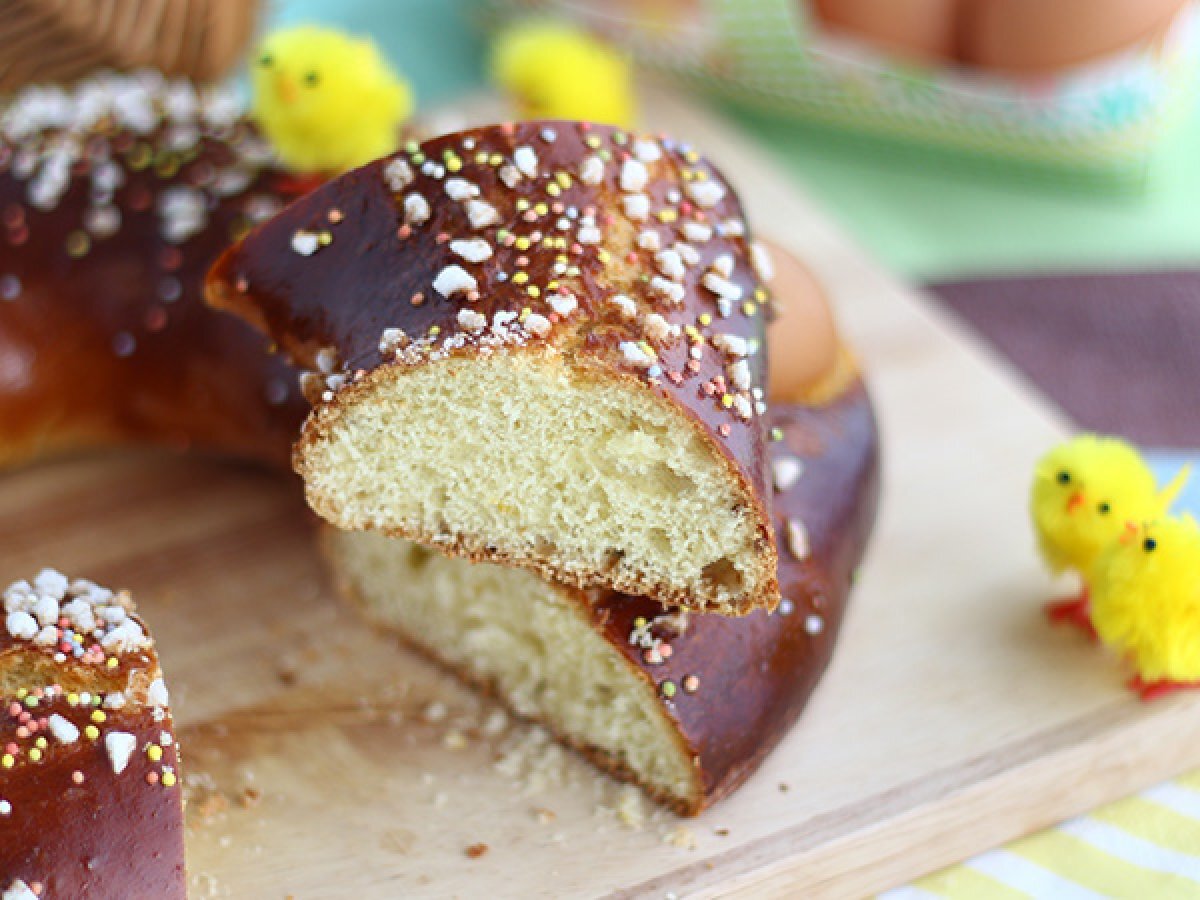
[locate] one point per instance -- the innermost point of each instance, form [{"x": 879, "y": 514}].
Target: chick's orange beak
[
  {"x": 1128, "y": 533},
  {"x": 1074, "y": 502},
  {"x": 286, "y": 88}
]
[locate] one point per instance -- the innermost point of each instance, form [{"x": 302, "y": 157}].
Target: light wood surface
[{"x": 951, "y": 720}]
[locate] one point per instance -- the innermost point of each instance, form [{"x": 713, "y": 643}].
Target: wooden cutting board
[{"x": 324, "y": 761}]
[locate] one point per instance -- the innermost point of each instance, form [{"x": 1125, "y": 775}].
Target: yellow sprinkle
[
  {"x": 522, "y": 204},
  {"x": 533, "y": 291},
  {"x": 553, "y": 189},
  {"x": 650, "y": 351},
  {"x": 73, "y": 699},
  {"x": 552, "y": 286},
  {"x": 453, "y": 164},
  {"x": 541, "y": 209},
  {"x": 112, "y": 662},
  {"x": 35, "y": 755},
  {"x": 435, "y": 330},
  {"x": 7, "y": 761},
  {"x": 522, "y": 243},
  {"x": 41, "y": 743},
  {"x": 701, "y": 175},
  {"x": 168, "y": 779},
  {"x": 705, "y": 319},
  {"x": 667, "y": 215},
  {"x": 98, "y": 716},
  {"x": 481, "y": 158},
  {"x": 495, "y": 160},
  {"x": 548, "y": 242},
  {"x": 91, "y": 732},
  {"x": 603, "y": 255},
  {"x": 21, "y": 692},
  {"x": 562, "y": 258},
  {"x": 691, "y": 156},
  {"x": 563, "y": 179},
  {"x": 520, "y": 278},
  {"x": 639, "y": 622},
  {"x": 749, "y": 308},
  {"x": 760, "y": 295},
  {"x": 154, "y": 752},
  {"x": 727, "y": 400},
  {"x": 560, "y": 243},
  {"x": 526, "y": 312},
  {"x": 592, "y": 141},
  {"x": 692, "y": 332}
]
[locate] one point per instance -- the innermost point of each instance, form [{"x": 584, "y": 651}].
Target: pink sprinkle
[
  {"x": 665, "y": 651},
  {"x": 557, "y": 208},
  {"x": 529, "y": 216},
  {"x": 685, "y": 207},
  {"x": 723, "y": 430},
  {"x": 12, "y": 748},
  {"x": 708, "y": 389},
  {"x": 77, "y": 777},
  {"x": 510, "y": 239},
  {"x": 576, "y": 249},
  {"x": 25, "y": 717},
  {"x": 442, "y": 237},
  {"x": 403, "y": 231},
  {"x": 151, "y": 778},
  {"x": 14, "y": 709},
  {"x": 507, "y": 128},
  {"x": 631, "y": 257},
  {"x": 22, "y": 731},
  {"x": 472, "y": 296},
  {"x": 522, "y": 261}
]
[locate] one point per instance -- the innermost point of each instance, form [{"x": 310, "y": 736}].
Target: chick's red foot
[
  {"x": 1076, "y": 611},
  {"x": 1155, "y": 690},
  {"x": 293, "y": 186}
]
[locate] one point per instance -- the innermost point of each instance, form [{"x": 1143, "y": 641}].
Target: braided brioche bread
[
  {"x": 539, "y": 344},
  {"x": 90, "y": 800},
  {"x": 115, "y": 198},
  {"x": 686, "y": 705}
]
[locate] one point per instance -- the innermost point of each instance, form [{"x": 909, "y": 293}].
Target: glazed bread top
[
  {"x": 90, "y": 799},
  {"x": 115, "y": 198},
  {"x": 619, "y": 260}
]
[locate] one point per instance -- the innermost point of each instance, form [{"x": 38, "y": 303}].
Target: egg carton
[{"x": 1106, "y": 116}]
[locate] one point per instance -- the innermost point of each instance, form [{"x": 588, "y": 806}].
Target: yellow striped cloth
[{"x": 1147, "y": 846}]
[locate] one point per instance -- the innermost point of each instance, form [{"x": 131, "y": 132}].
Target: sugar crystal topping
[{"x": 98, "y": 695}]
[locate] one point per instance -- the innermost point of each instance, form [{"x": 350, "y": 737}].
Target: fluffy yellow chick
[
  {"x": 328, "y": 102},
  {"x": 1146, "y": 604},
  {"x": 555, "y": 71},
  {"x": 1085, "y": 493}
]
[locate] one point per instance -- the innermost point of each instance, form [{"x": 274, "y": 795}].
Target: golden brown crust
[
  {"x": 104, "y": 336},
  {"x": 90, "y": 799},
  {"x": 624, "y": 254}
]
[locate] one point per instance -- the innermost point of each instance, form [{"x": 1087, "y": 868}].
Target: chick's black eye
[
  {"x": 1064, "y": 477},
  {"x": 266, "y": 60},
  {"x": 312, "y": 79},
  {"x": 1149, "y": 544},
  {"x": 1104, "y": 509}
]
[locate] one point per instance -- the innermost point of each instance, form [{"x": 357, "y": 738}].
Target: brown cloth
[{"x": 1119, "y": 353}]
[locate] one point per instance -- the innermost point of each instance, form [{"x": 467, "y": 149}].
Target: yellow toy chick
[
  {"x": 1086, "y": 493},
  {"x": 555, "y": 71},
  {"x": 1146, "y": 604},
  {"x": 326, "y": 101}
]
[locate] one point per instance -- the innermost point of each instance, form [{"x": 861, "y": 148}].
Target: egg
[
  {"x": 802, "y": 341},
  {"x": 921, "y": 29},
  {"x": 1031, "y": 36}
]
